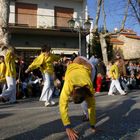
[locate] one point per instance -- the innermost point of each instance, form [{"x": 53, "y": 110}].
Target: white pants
[
  {"x": 10, "y": 92},
  {"x": 93, "y": 72},
  {"x": 84, "y": 108},
  {"x": 3, "y": 87},
  {"x": 115, "y": 84},
  {"x": 48, "y": 87}
]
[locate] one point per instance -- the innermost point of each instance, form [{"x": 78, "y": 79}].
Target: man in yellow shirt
[
  {"x": 114, "y": 74},
  {"x": 9, "y": 58},
  {"x": 78, "y": 85},
  {"x": 45, "y": 62}
]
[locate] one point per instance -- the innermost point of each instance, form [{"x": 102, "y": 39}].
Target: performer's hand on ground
[
  {"x": 94, "y": 130},
  {"x": 72, "y": 134}
]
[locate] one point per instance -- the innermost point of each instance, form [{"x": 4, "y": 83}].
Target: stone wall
[{"x": 131, "y": 47}]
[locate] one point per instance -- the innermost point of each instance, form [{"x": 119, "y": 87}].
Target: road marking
[{"x": 103, "y": 120}]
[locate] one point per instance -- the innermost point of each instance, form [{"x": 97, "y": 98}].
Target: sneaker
[
  {"x": 52, "y": 103},
  {"x": 2, "y": 99},
  {"x": 110, "y": 94},
  {"x": 24, "y": 97},
  {"x": 124, "y": 93},
  {"x": 47, "y": 103}
]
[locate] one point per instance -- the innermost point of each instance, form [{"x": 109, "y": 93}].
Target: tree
[
  {"x": 4, "y": 18},
  {"x": 135, "y": 9},
  {"x": 104, "y": 34}
]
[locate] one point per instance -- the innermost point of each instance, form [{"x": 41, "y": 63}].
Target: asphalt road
[{"x": 118, "y": 117}]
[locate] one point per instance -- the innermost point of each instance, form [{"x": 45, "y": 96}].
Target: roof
[
  {"x": 132, "y": 36},
  {"x": 128, "y": 32},
  {"x": 116, "y": 41}
]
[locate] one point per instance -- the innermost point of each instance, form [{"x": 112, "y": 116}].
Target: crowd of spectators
[{"x": 30, "y": 85}]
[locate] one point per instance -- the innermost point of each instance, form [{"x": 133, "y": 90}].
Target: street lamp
[{"x": 87, "y": 26}]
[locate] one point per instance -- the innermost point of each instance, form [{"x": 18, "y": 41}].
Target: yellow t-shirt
[
  {"x": 45, "y": 63},
  {"x": 78, "y": 75},
  {"x": 114, "y": 72},
  {"x": 2, "y": 72},
  {"x": 10, "y": 64}
]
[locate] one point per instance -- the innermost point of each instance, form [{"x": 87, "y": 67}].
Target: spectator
[
  {"x": 2, "y": 74},
  {"x": 101, "y": 75},
  {"x": 130, "y": 68},
  {"x": 138, "y": 80},
  {"x": 94, "y": 60},
  {"x": 98, "y": 83},
  {"x": 132, "y": 82}
]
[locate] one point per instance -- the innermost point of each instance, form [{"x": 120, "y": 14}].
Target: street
[{"x": 118, "y": 118}]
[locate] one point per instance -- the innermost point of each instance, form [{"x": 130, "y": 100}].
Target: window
[
  {"x": 62, "y": 16},
  {"x": 26, "y": 14}
]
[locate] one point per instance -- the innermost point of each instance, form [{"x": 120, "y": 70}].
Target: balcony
[
  {"x": 38, "y": 21},
  {"x": 41, "y": 24}
]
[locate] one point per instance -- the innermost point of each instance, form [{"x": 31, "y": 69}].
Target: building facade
[
  {"x": 35, "y": 23},
  {"x": 127, "y": 44}
]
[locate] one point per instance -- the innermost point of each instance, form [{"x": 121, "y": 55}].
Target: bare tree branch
[
  {"x": 104, "y": 16},
  {"x": 137, "y": 13},
  {"x": 125, "y": 15},
  {"x": 95, "y": 29}
]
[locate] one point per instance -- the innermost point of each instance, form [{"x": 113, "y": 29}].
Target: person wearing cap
[
  {"x": 45, "y": 62},
  {"x": 9, "y": 58},
  {"x": 78, "y": 86}
]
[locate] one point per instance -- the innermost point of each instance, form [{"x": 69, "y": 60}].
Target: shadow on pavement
[
  {"x": 5, "y": 115},
  {"x": 5, "y": 106},
  {"x": 47, "y": 131},
  {"x": 116, "y": 120}
]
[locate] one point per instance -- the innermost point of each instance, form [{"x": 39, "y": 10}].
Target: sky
[{"x": 114, "y": 15}]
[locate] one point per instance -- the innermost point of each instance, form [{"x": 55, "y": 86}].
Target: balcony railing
[
  {"x": 37, "y": 21},
  {"x": 40, "y": 21}
]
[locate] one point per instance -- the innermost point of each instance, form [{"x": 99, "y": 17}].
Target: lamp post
[{"x": 87, "y": 25}]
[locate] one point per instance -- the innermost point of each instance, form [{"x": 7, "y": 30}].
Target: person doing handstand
[{"x": 78, "y": 86}]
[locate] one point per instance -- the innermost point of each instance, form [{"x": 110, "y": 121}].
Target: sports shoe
[
  {"x": 2, "y": 99},
  {"x": 110, "y": 94},
  {"x": 52, "y": 103},
  {"x": 47, "y": 103},
  {"x": 124, "y": 93}
]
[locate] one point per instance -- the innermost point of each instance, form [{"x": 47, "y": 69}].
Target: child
[{"x": 98, "y": 83}]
